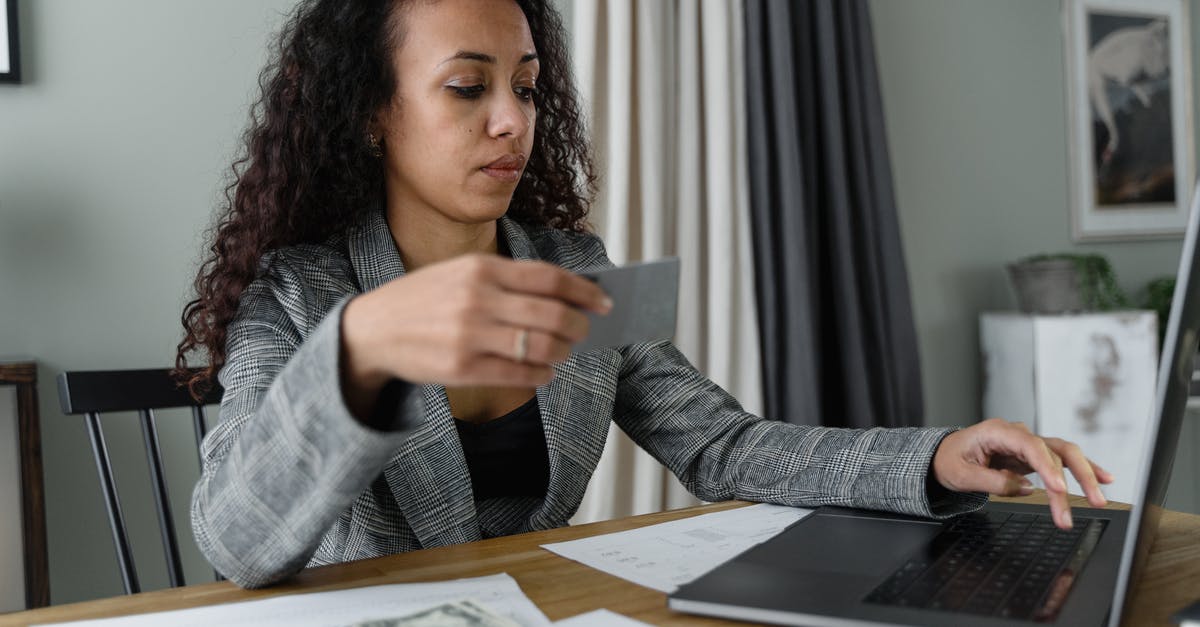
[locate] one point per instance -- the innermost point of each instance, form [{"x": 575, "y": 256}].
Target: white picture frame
[
  {"x": 10, "y": 58},
  {"x": 1129, "y": 118}
]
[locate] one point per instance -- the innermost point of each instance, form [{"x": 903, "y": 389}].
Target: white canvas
[
  {"x": 1007, "y": 344},
  {"x": 1088, "y": 378},
  {"x": 1095, "y": 382}
]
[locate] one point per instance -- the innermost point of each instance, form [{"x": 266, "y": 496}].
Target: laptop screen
[{"x": 1174, "y": 379}]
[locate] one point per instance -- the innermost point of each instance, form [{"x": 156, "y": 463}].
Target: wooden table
[{"x": 563, "y": 588}]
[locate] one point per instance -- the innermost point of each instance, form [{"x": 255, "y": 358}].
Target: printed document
[
  {"x": 668, "y": 555},
  {"x": 600, "y": 618},
  {"x": 500, "y": 593}
]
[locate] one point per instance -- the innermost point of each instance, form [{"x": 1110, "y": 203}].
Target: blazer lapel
[
  {"x": 430, "y": 480},
  {"x": 575, "y": 414},
  {"x": 428, "y": 475}
]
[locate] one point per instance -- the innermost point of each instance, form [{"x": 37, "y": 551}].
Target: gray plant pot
[{"x": 1048, "y": 286}]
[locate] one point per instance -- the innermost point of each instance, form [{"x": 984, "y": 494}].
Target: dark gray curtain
[{"x": 839, "y": 346}]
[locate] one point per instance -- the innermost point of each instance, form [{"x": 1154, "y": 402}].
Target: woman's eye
[
  {"x": 468, "y": 91},
  {"x": 525, "y": 93}
]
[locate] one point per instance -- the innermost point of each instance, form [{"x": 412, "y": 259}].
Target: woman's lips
[{"x": 507, "y": 168}]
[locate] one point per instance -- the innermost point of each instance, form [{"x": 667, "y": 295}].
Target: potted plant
[
  {"x": 1159, "y": 293},
  {"x": 1066, "y": 282}
]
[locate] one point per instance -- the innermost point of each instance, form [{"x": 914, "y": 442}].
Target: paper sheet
[
  {"x": 500, "y": 593},
  {"x": 668, "y": 555},
  {"x": 600, "y": 618}
]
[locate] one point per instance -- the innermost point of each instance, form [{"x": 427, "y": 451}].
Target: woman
[{"x": 391, "y": 301}]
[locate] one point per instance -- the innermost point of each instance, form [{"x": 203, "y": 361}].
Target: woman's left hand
[{"x": 993, "y": 456}]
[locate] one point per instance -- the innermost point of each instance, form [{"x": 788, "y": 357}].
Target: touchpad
[{"x": 844, "y": 544}]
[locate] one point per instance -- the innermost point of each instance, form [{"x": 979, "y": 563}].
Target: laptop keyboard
[{"x": 994, "y": 563}]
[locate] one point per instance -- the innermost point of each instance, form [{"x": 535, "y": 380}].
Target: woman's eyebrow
[{"x": 486, "y": 58}]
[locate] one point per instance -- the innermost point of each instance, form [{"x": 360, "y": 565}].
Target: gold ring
[{"x": 522, "y": 345}]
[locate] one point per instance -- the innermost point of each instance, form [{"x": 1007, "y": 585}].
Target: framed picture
[
  {"x": 10, "y": 58},
  {"x": 1129, "y": 118}
]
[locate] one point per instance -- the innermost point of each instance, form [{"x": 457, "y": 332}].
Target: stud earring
[{"x": 373, "y": 143}]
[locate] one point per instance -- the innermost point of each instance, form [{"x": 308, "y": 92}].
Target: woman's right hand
[{"x": 465, "y": 322}]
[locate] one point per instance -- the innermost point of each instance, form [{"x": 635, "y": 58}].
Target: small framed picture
[
  {"x": 10, "y": 58},
  {"x": 1129, "y": 118}
]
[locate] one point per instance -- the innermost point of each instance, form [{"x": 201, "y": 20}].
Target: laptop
[{"x": 1004, "y": 565}]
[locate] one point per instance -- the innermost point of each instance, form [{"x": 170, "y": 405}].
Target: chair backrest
[{"x": 142, "y": 391}]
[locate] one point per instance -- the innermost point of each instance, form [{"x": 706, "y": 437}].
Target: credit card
[{"x": 645, "y": 297}]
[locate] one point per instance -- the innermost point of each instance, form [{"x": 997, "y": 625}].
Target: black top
[{"x": 507, "y": 455}]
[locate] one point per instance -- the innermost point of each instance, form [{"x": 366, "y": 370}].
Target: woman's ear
[
  {"x": 373, "y": 136},
  {"x": 374, "y": 143},
  {"x": 378, "y": 124}
]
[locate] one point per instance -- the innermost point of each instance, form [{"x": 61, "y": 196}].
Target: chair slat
[
  {"x": 116, "y": 519},
  {"x": 162, "y": 502}
]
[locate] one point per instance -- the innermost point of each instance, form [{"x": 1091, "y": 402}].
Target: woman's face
[{"x": 459, "y": 128}]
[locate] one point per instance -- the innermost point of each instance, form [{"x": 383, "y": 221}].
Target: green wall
[
  {"x": 111, "y": 159},
  {"x": 976, "y": 115}
]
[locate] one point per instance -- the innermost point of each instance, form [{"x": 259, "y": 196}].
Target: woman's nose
[{"x": 511, "y": 117}]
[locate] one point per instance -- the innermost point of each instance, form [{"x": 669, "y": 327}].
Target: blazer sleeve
[
  {"x": 287, "y": 457},
  {"x": 720, "y": 452}
]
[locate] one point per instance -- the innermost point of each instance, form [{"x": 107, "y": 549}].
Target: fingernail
[
  {"x": 606, "y": 305},
  {"x": 1067, "y": 519},
  {"x": 1026, "y": 489}
]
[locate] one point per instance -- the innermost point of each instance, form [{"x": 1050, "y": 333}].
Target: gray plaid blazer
[{"x": 291, "y": 479}]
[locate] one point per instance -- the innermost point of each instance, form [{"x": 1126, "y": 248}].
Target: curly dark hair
[{"x": 307, "y": 172}]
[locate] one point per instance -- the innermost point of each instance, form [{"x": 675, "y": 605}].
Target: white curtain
[{"x": 663, "y": 84}]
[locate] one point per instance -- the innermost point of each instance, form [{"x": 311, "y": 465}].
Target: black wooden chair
[{"x": 143, "y": 391}]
